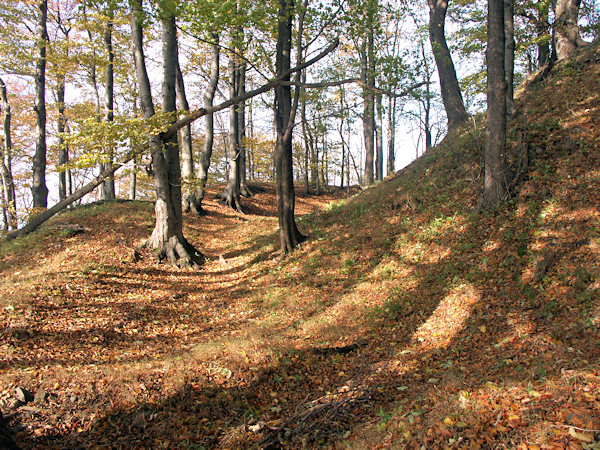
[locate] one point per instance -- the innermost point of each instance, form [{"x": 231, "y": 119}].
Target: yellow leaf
[
  {"x": 448, "y": 421},
  {"x": 482, "y": 328},
  {"x": 585, "y": 437}
]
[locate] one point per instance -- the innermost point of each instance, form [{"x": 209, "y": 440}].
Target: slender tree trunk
[
  {"x": 368, "y": 75},
  {"x": 8, "y": 185},
  {"x": 187, "y": 159},
  {"x": 509, "y": 55},
  {"x": 495, "y": 181},
  {"x": 450, "y": 89},
  {"x": 108, "y": 187},
  {"x": 543, "y": 35},
  {"x": 245, "y": 190},
  {"x": 39, "y": 190},
  {"x": 391, "y": 162},
  {"x": 133, "y": 180},
  {"x": 289, "y": 235},
  {"x": 305, "y": 134},
  {"x": 566, "y": 30},
  {"x": 206, "y": 154},
  {"x": 379, "y": 140},
  {"x": 231, "y": 194},
  {"x": 167, "y": 237},
  {"x": 63, "y": 151}
]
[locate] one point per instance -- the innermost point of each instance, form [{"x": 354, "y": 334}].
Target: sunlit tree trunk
[
  {"x": 391, "y": 161},
  {"x": 379, "y": 140},
  {"x": 206, "y": 154},
  {"x": 167, "y": 237},
  {"x": 450, "y": 89},
  {"x": 289, "y": 235},
  {"x": 108, "y": 187},
  {"x": 8, "y": 185},
  {"x": 39, "y": 190},
  {"x": 187, "y": 159},
  {"x": 495, "y": 181},
  {"x": 566, "y": 30}
]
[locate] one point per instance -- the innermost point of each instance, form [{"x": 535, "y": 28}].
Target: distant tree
[{"x": 108, "y": 187}]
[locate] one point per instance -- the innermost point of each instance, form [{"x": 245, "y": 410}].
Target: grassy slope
[{"x": 459, "y": 345}]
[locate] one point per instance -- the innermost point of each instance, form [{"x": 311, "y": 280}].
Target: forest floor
[{"x": 405, "y": 320}]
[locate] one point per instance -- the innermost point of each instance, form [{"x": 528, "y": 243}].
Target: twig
[{"x": 585, "y": 430}]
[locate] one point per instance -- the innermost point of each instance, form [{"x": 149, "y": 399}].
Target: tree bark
[
  {"x": 495, "y": 182},
  {"x": 8, "y": 184},
  {"x": 289, "y": 235},
  {"x": 108, "y": 187},
  {"x": 391, "y": 162},
  {"x": 245, "y": 190},
  {"x": 167, "y": 237},
  {"x": 566, "y": 30},
  {"x": 509, "y": 55},
  {"x": 206, "y": 154},
  {"x": 368, "y": 76},
  {"x": 39, "y": 190},
  {"x": 187, "y": 159},
  {"x": 379, "y": 140},
  {"x": 450, "y": 89},
  {"x": 231, "y": 195}
]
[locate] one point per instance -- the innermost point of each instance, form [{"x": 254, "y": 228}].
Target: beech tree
[
  {"x": 449, "y": 87},
  {"x": 39, "y": 190},
  {"x": 495, "y": 181},
  {"x": 167, "y": 237},
  {"x": 9, "y": 206},
  {"x": 566, "y": 29}
]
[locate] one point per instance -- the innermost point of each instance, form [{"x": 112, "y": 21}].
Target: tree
[
  {"x": 108, "y": 187},
  {"x": 566, "y": 30},
  {"x": 289, "y": 235},
  {"x": 450, "y": 89},
  {"x": 167, "y": 237},
  {"x": 38, "y": 188},
  {"x": 495, "y": 181},
  {"x": 8, "y": 186}
]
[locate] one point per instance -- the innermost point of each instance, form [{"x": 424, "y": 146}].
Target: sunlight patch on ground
[{"x": 449, "y": 317}]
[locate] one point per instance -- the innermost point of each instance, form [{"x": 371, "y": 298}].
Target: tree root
[
  {"x": 179, "y": 252},
  {"x": 230, "y": 200}
]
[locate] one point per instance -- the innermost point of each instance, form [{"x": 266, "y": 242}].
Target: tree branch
[{"x": 360, "y": 83}]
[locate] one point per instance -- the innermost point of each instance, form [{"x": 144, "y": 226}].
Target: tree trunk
[
  {"x": 450, "y": 89},
  {"x": 108, "y": 187},
  {"x": 231, "y": 195},
  {"x": 304, "y": 123},
  {"x": 167, "y": 237},
  {"x": 368, "y": 76},
  {"x": 245, "y": 190},
  {"x": 509, "y": 55},
  {"x": 391, "y": 162},
  {"x": 495, "y": 182},
  {"x": 206, "y": 154},
  {"x": 39, "y": 190},
  {"x": 187, "y": 159},
  {"x": 566, "y": 30},
  {"x": 289, "y": 235},
  {"x": 379, "y": 140},
  {"x": 8, "y": 185}
]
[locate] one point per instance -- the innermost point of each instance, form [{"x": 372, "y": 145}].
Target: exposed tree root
[
  {"x": 177, "y": 251},
  {"x": 228, "y": 198}
]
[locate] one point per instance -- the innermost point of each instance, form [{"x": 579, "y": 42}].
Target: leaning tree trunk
[
  {"x": 495, "y": 181},
  {"x": 8, "y": 184},
  {"x": 108, "y": 187},
  {"x": 167, "y": 237},
  {"x": 450, "y": 89},
  {"x": 206, "y": 154},
  {"x": 39, "y": 190},
  {"x": 289, "y": 235},
  {"x": 566, "y": 30}
]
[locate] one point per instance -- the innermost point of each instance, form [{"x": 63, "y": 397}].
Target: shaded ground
[{"x": 404, "y": 321}]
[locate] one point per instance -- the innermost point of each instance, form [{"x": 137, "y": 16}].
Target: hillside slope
[{"x": 405, "y": 320}]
